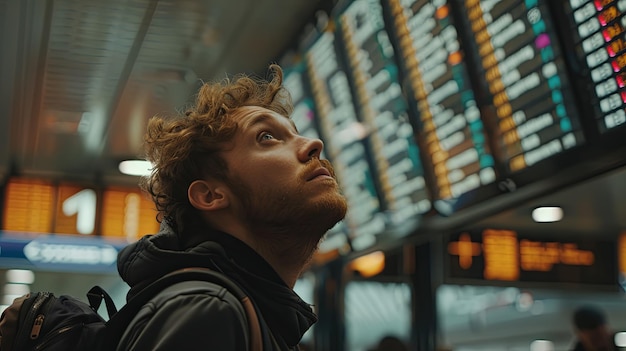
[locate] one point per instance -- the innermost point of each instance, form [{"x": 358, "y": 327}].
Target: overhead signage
[
  {"x": 506, "y": 255},
  {"x": 38, "y": 206},
  {"x": 58, "y": 253}
]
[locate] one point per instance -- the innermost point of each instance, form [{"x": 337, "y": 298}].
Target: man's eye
[{"x": 266, "y": 136}]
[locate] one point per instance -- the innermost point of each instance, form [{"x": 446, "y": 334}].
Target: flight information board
[
  {"x": 29, "y": 206},
  {"x": 449, "y": 117},
  {"x": 305, "y": 119},
  {"x": 44, "y": 207},
  {"x": 344, "y": 138},
  {"x": 599, "y": 29},
  {"x": 383, "y": 110},
  {"x": 523, "y": 68},
  {"x": 492, "y": 255},
  {"x": 303, "y": 114},
  {"x": 442, "y": 104}
]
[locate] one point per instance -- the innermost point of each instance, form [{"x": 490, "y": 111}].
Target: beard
[{"x": 287, "y": 213}]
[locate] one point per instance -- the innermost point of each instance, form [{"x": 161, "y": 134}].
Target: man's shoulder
[
  {"x": 189, "y": 312},
  {"x": 198, "y": 293}
]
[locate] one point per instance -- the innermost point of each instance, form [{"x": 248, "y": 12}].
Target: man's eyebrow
[
  {"x": 264, "y": 118},
  {"x": 258, "y": 119}
]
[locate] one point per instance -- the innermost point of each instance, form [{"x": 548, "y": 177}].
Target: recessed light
[
  {"x": 542, "y": 345},
  {"x": 135, "y": 167},
  {"x": 620, "y": 339},
  {"x": 547, "y": 214},
  {"x": 20, "y": 276}
]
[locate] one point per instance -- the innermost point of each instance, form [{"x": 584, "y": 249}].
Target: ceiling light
[
  {"x": 542, "y": 345},
  {"x": 620, "y": 339},
  {"x": 16, "y": 289},
  {"x": 135, "y": 167},
  {"x": 20, "y": 276},
  {"x": 370, "y": 264},
  {"x": 547, "y": 214}
]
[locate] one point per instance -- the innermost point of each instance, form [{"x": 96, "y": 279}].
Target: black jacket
[{"x": 178, "y": 320}]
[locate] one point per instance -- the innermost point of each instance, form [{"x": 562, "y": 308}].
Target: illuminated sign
[
  {"x": 523, "y": 69},
  {"x": 75, "y": 210},
  {"x": 505, "y": 255},
  {"x": 28, "y": 206},
  {"x": 447, "y": 110},
  {"x": 58, "y": 252},
  {"x": 127, "y": 214},
  {"x": 37, "y": 206},
  {"x": 601, "y": 33}
]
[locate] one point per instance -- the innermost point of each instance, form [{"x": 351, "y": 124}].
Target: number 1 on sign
[{"x": 83, "y": 205}]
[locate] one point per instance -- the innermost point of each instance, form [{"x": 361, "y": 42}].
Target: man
[
  {"x": 241, "y": 192},
  {"x": 592, "y": 330}
]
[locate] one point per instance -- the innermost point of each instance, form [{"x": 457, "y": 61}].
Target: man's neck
[
  {"x": 288, "y": 254},
  {"x": 288, "y": 251}
]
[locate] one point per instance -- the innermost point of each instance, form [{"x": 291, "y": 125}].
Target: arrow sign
[
  {"x": 59, "y": 253},
  {"x": 47, "y": 253}
]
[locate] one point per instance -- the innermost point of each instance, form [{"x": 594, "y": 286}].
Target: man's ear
[{"x": 207, "y": 195}]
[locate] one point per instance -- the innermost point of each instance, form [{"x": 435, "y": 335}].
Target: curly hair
[{"x": 187, "y": 148}]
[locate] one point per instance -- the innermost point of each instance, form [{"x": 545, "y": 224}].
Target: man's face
[
  {"x": 597, "y": 339},
  {"x": 277, "y": 176}
]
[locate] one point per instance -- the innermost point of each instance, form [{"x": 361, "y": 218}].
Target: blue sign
[{"x": 60, "y": 253}]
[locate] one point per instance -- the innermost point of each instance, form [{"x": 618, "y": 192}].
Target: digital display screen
[
  {"x": 28, "y": 206},
  {"x": 449, "y": 118},
  {"x": 305, "y": 119},
  {"x": 75, "y": 210},
  {"x": 303, "y": 114},
  {"x": 127, "y": 214},
  {"x": 506, "y": 255},
  {"x": 383, "y": 110},
  {"x": 599, "y": 29},
  {"x": 38, "y": 206},
  {"x": 525, "y": 74},
  {"x": 344, "y": 138}
]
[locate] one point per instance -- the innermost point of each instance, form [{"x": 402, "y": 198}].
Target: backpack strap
[
  {"x": 96, "y": 295},
  {"x": 117, "y": 324}
]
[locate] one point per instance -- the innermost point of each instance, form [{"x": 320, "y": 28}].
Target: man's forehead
[{"x": 248, "y": 116}]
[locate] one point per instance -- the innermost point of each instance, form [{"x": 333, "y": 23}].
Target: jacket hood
[{"x": 153, "y": 256}]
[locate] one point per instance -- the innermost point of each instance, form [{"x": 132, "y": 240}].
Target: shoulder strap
[{"x": 118, "y": 323}]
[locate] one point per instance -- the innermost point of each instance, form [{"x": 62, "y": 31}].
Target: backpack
[{"x": 43, "y": 321}]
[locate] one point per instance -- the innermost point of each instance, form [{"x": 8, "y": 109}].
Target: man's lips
[{"x": 318, "y": 173}]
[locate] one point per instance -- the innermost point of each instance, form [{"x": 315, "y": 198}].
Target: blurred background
[{"x": 481, "y": 146}]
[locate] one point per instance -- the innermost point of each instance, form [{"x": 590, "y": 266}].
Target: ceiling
[{"x": 81, "y": 78}]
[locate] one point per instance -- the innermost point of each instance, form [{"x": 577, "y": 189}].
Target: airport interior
[{"x": 480, "y": 144}]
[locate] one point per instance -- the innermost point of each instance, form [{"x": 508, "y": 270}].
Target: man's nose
[{"x": 312, "y": 148}]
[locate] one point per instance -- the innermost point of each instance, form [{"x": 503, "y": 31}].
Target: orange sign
[
  {"x": 542, "y": 256},
  {"x": 127, "y": 214},
  {"x": 465, "y": 249},
  {"x": 37, "y": 206},
  {"x": 506, "y": 255},
  {"x": 501, "y": 252},
  {"x": 76, "y": 209},
  {"x": 28, "y": 206}
]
